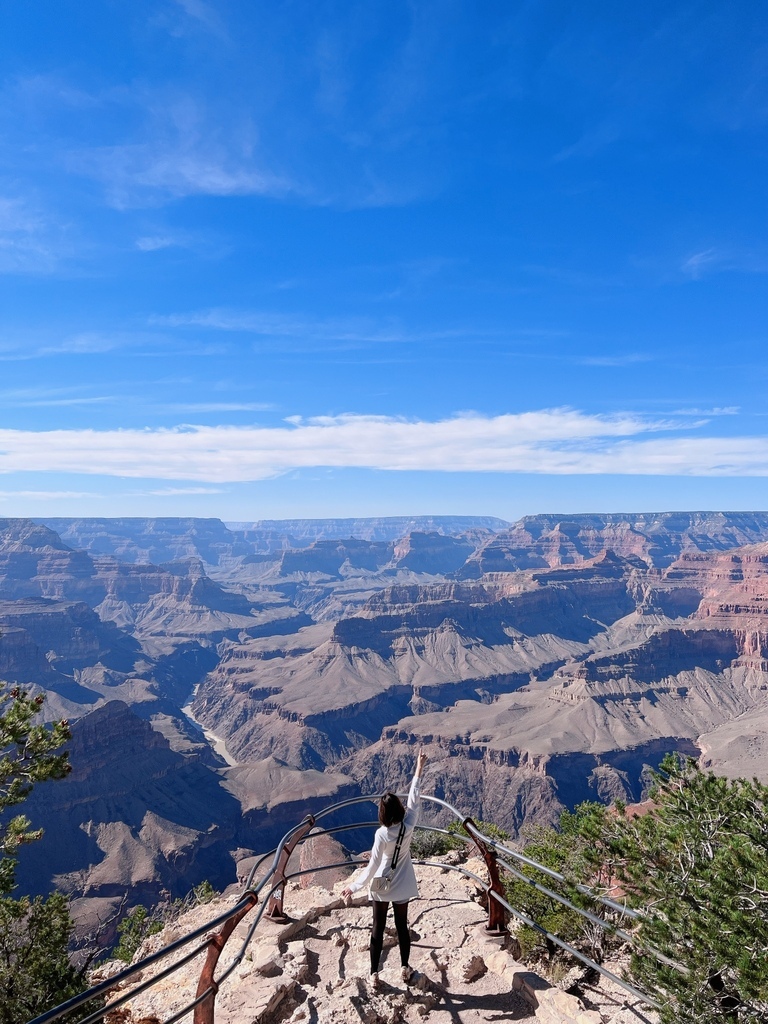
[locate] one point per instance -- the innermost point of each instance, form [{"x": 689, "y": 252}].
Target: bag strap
[{"x": 399, "y": 844}]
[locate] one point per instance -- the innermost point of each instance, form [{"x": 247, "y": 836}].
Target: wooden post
[
  {"x": 496, "y": 914},
  {"x": 275, "y": 905},
  {"x": 204, "y": 1011}
]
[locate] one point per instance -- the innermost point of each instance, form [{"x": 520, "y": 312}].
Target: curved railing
[{"x": 267, "y": 896}]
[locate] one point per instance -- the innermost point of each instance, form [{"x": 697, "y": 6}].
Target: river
[{"x": 215, "y": 741}]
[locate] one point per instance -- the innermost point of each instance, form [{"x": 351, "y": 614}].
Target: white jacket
[{"x": 403, "y": 885}]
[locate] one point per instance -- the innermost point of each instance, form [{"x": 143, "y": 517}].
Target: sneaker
[
  {"x": 376, "y": 985},
  {"x": 407, "y": 974}
]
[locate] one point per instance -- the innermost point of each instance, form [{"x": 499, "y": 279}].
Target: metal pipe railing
[
  {"x": 144, "y": 985},
  {"x": 495, "y": 844},
  {"x": 250, "y": 898},
  {"x": 118, "y": 979}
]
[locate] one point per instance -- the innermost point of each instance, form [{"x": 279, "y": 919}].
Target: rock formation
[
  {"x": 277, "y": 534},
  {"x": 134, "y": 818},
  {"x": 170, "y": 539},
  {"x": 657, "y": 538}
]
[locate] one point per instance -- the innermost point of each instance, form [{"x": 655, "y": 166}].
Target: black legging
[{"x": 380, "y": 910}]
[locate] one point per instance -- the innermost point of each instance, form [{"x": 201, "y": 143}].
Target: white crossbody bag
[{"x": 381, "y": 884}]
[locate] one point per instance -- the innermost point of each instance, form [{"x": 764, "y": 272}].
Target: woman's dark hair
[{"x": 391, "y": 810}]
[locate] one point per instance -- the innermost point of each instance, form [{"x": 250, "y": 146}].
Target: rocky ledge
[{"x": 314, "y": 969}]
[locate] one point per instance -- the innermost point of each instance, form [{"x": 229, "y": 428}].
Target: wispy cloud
[
  {"x": 184, "y": 150},
  {"x": 590, "y": 142},
  {"x": 550, "y": 441},
  {"x": 173, "y": 492},
  {"x": 415, "y": 274},
  {"x": 63, "y": 402},
  {"x": 207, "y": 245},
  {"x": 38, "y": 345},
  {"x": 39, "y": 397},
  {"x": 30, "y": 241},
  {"x": 719, "y": 260},
  {"x": 151, "y": 243},
  {"x": 698, "y": 263},
  {"x": 618, "y": 360},
  {"x": 204, "y": 14},
  {"x": 717, "y": 410},
  {"x": 145, "y": 344},
  {"x": 347, "y": 330},
  {"x": 47, "y": 495},
  {"x": 86, "y": 344},
  {"x": 350, "y": 329},
  {"x": 220, "y": 407}
]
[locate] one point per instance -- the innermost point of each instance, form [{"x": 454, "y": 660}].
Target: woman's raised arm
[{"x": 414, "y": 793}]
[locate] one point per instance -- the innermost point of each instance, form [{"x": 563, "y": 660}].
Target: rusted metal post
[
  {"x": 496, "y": 915},
  {"x": 275, "y": 904},
  {"x": 204, "y": 1011}
]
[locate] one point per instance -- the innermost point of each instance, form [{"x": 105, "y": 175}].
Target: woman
[{"x": 394, "y": 836}]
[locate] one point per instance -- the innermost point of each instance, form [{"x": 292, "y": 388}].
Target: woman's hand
[
  {"x": 346, "y": 893},
  {"x": 421, "y": 761}
]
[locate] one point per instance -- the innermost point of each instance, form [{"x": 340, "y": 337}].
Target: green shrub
[
  {"x": 140, "y": 923},
  {"x": 204, "y": 893},
  {"x": 35, "y": 970},
  {"x": 569, "y": 850},
  {"x": 431, "y": 844},
  {"x": 697, "y": 864},
  {"x": 486, "y": 827}
]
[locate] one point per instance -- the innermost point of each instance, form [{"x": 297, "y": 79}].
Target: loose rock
[{"x": 472, "y": 968}]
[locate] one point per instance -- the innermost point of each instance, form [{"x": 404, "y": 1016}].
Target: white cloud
[
  {"x": 717, "y": 410},
  {"x": 714, "y": 260},
  {"x": 94, "y": 343},
  {"x": 87, "y": 343},
  {"x": 16, "y": 218},
  {"x": 202, "y": 14},
  {"x": 47, "y": 495},
  {"x": 698, "y": 263},
  {"x": 45, "y": 396},
  {"x": 183, "y": 151},
  {"x": 151, "y": 243},
  {"x": 198, "y": 10},
  {"x": 550, "y": 441},
  {"x": 618, "y": 360},
  {"x": 205, "y": 244},
  {"x": 172, "y": 492},
  {"x": 29, "y": 241},
  {"x": 141, "y": 173},
  {"x": 220, "y": 407},
  {"x": 349, "y": 330},
  {"x": 61, "y": 402}
]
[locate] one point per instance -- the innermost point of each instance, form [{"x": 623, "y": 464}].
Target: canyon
[{"x": 539, "y": 663}]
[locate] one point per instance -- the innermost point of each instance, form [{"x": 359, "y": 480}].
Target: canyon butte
[{"x": 222, "y": 680}]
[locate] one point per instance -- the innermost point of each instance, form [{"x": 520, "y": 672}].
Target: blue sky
[{"x": 311, "y": 258}]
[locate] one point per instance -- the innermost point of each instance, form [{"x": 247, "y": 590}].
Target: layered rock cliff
[
  {"x": 657, "y": 538},
  {"x": 132, "y": 819},
  {"x": 277, "y": 534},
  {"x": 533, "y": 690},
  {"x": 152, "y": 540}
]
